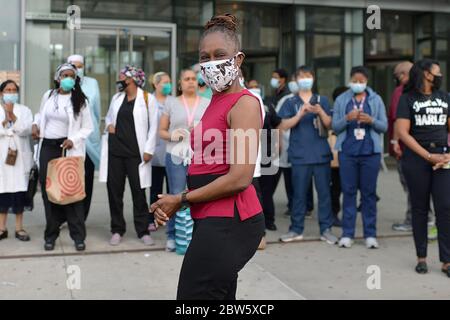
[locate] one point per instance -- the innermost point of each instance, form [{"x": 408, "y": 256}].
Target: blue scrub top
[
  {"x": 305, "y": 144},
  {"x": 352, "y": 146}
]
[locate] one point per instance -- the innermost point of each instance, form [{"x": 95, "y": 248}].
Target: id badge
[{"x": 360, "y": 134}]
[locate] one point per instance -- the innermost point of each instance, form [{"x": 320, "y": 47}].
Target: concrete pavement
[{"x": 306, "y": 270}]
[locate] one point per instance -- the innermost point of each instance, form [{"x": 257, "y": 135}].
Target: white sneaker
[
  {"x": 371, "y": 243},
  {"x": 115, "y": 239},
  {"x": 345, "y": 243},
  {"x": 170, "y": 245}
]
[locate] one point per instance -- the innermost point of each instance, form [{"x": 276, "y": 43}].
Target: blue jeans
[
  {"x": 176, "y": 176},
  {"x": 360, "y": 172},
  {"x": 301, "y": 179}
]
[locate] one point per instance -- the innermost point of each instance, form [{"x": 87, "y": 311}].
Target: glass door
[{"x": 107, "y": 48}]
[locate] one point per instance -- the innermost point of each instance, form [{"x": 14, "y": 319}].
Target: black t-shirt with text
[{"x": 429, "y": 116}]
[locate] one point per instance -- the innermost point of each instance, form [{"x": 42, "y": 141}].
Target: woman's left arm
[
  {"x": 152, "y": 114},
  {"x": 245, "y": 121},
  {"x": 380, "y": 123}
]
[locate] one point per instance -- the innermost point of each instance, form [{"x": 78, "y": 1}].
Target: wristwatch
[
  {"x": 394, "y": 141},
  {"x": 184, "y": 201}
]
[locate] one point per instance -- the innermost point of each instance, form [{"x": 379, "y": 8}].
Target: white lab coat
[
  {"x": 15, "y": 178},
  {"x": 146, "y": 126},
  {"x": 80, "y": 127}
]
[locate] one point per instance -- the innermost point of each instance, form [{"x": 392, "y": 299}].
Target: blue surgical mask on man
[
  {"x": 358, "y": 87},
  {"x": 274, "y": 83},
  {"x": 10, "y": 98},
  {"x": 305, "y": 84}
]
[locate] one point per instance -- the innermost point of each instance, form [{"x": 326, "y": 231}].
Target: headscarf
[
  {"x": 63, "y": 67},
  {"x": 134, "y": 73},
  {"x": 75, "y": 58}
]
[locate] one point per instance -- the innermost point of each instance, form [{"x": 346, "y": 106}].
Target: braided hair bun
[
  {"x": 226, "y": 24},
  {"x": 227, "y": 21}
]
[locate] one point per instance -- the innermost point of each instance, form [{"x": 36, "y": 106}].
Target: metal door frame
[{"x": 96, "y": 23}]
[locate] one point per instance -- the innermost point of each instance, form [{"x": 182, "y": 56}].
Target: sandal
[
  {"x": 446, "y": 271},
  {"x": 22, "y": 235},
  {"x": 3, "y": 234},
  {"x": 422, "y": 268}
]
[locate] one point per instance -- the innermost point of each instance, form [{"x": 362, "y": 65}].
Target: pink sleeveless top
[{"x": 214, "y": 123}]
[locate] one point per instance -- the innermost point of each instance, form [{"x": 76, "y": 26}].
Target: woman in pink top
[{"x": 228, "y": 216}]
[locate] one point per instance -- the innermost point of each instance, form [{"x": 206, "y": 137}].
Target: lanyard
[
  {"x": 190, "y": 115},
  {"x": 361, "y": 107}
]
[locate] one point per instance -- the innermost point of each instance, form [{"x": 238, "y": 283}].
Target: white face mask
[
  {"x": 242, "y": 82},
  {"x": 220, "y": 74},
  {"x": 80, "y": 73},
  {"x": 256, "y": 91}
]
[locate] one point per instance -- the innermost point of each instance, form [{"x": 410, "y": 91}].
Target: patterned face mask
[{"x": 220, "y": 74}]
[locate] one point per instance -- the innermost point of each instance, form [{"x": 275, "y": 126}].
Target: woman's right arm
[
  {"x": 402, "y": 127},
  {"x": 338, "y": 123},
  {"x": 164, "y": 123},
  {"x": 35, "y": 128},
  {"x": 109, "y": 119}
]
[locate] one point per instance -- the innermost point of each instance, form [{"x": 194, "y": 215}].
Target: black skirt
[{"x": 13, "y": 202}]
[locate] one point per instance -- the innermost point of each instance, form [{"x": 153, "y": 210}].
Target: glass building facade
[{"x": 164, "y": 35}]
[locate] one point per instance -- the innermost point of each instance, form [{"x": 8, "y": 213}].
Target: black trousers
[
  {"x": 423, "y": 183},
  {"x": 118, "y": 169},
  {"x": 56, "y": 214},
  {"x": 158, "y": 176},
  {"x": 219, "y": 249},
  {"x": 287, "y": 175},
  {"x": 89, "y": 169},
  {"x": 335, "y": 189},
  {"x": 268, "y": 185}
]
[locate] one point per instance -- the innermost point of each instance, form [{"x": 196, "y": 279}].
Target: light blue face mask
[
  {"x": 80, "y": 72},
  {"x": 10, "y": 98},
  {"x": 358, "y": 87},
  {"x": 305, "y": 84},
  {"x": 200, "y": 80},
  {"x": 242, "y": 82},
  {"x": 274, "y": 83},
  {"x": 67, "y": 84},
  {"x": 293, "y": 87}
]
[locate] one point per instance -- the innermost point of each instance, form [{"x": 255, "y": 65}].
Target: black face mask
[
  {"x": 121, "y": 85},
  {"x": 437, "y": 82}
]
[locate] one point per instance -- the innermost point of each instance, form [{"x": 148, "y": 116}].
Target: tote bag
[{"x": 65, "y": 180}]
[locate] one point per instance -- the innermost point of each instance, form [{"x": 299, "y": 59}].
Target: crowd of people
[{"x": 335, "y": 145}]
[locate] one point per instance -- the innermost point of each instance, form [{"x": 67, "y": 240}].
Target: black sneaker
[
  {"x": 271, "y": 226},
  {"x": 80, "y": 246},
  {"x": 49, "y": 245}
]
